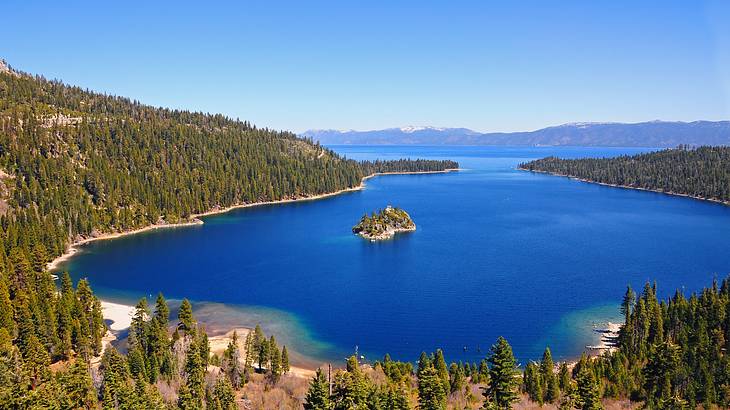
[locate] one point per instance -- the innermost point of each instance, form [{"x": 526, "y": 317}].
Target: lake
[{"x": 535, "y": 258}]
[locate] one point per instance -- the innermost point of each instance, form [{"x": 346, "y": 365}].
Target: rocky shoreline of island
[{"x": 384, "y": 224}]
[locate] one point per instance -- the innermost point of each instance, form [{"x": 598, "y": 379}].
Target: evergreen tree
[
  {"x": 563, "y": 377},
  {"x": 440, "y": 365},
  {"x": 262, "y": 347},
  {"x": 6, "y": 308},
  {"x": 250, "y": 352},
  {"x": 36, "y": 361},
  {"x": 194, "y": 379},
  {"x": 588, "y": 394},
  {"x": 231, "y": 363},
  {"x": 223, "y": 395},
  {"x": 186, "y": 322},
  {"x": 162, "y": 311},
  {"x": 457, "y": 380},
  {"x": 660, "y": 372},
  {"x": 78, "y": 386},
  {"x": 550, "y": 384},
  {"x": 396, "y": 399},
  {"x": 284, "y": 361},
  {"x": 318, "y": 393},
  {"x": 533, "y": 383},
  {"x": 501, "y": 391},
  {"x": 431, "y": 393},
  {"x": 275, "y": 360}
]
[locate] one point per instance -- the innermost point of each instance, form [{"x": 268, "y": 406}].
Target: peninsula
[
  {"x": 695, "y": 172},
  {"x": 384, "y": 224}
]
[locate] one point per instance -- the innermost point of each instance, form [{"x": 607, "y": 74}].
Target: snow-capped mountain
[{"x": 610, "y": 134}]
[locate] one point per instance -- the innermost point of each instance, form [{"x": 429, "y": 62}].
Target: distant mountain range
[{"x": 644, "y": 134}]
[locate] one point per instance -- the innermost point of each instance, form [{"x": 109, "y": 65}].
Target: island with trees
[
  {"x": 384, "y": 224},
  {"x": 701, "y": 173}
]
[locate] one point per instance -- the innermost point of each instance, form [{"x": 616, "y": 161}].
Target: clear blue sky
[{"x": 367, "y": 65}]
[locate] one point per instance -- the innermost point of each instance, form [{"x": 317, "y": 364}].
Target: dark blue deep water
[{"x": 535, "y": 258}]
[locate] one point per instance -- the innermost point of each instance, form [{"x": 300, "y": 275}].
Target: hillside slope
[{"x": 75, "y": 163}]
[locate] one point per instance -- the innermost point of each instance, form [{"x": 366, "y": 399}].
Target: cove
[{"x": 535, "y": 258}]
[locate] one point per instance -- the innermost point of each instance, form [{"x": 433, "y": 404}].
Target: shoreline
[
  {"x": 120, "y": 315},
  {"x": 219, "y": 343},
  {"x": 194, "y": 219},
  {"x": 658, "y": 191}
]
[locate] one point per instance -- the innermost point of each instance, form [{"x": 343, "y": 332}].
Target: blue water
[{"x": 535, "y": 258}]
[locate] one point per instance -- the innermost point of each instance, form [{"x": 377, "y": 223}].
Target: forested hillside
[
  {"x": 75, "y": 163},
  {"x": 703, "y": 172}
]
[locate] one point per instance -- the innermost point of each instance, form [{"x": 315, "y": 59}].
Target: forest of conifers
[
  {"x": 702, "y": 172},
  {"x": 75, "y": 162}
]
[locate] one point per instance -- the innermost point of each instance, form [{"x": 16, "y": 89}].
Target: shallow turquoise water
[{"x": 535, "y": 258}]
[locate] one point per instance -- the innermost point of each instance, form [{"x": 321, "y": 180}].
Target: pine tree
[
  {"x": 162, "y": 311},
  {"x": 284, "y": 361},
  {"x": 502, "y": 388},
  {"x": 483, "y": 371},
  {"x": 36, "y": 361},
  {"x": 396, "y": 399},
  {"x": 318, "y": 394},
  {"x": 262, "y": 347},
  {"x": 550, "y": 385},
  {"x": 6, "y": 308},
  {"x": 223, "y": 395},
  {"x": 440, "y": 364},
  {"x": 275, "y": 360},
  {"x": 456, "y": 377},
  {"x": 138, "y": 327},
  {"x": 231, "y": 363},
  {"x": 431, "y": 393},
  {"x": 78, "y": 386},
  {"x": 659, "y": 372},
  {"x": 186, "y": 322},
  {"x": 250, "y": 352},
  {"x": 115, "y": 374},
  {"x": 194, "y": 379},
  {"x": 588, "y": 394},
  {"x": 533, "y": 383},
  {"x": 423, "y": 362},
  {"x": 564, "y": 376}
]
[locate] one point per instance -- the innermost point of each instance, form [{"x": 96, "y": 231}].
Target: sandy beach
[
  {"x": 194, "y": 218},
  {"x": 219, "y": 343},
  {"x": 119, "y": 315}
]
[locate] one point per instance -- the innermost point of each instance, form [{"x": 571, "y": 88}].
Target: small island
[{"x": 384, "y": 224}]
